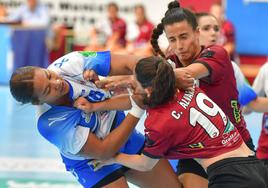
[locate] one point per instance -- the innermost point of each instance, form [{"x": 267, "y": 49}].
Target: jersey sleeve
[
  {"x": 215, "y": 59},
  {"x": 156, "y": 144},
  {"x": 75, "y": 63},
  {"x": 259, "y": 82},
  {"x": 245, "y": 92},
  {"x": 66, "y": 128}
]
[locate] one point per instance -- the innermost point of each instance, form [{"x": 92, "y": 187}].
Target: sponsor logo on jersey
[
  {"x": 229, "y": 137},
  {"x": 89, "y": 54},
  {"x": 236, "y": 111},
  {"x": 229, "y": 127},
  {"x": 59, "y": 64},
  {"x": 197, "y": 145}
]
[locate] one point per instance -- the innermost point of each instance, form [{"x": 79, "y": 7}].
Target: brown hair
[
  {"x": 21, "y": 85},
  {"x": 155, "y": 72},
  {"x": 174, "y": 14}
]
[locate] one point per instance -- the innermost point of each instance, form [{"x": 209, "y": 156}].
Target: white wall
[{"x": 85, "y": 10}]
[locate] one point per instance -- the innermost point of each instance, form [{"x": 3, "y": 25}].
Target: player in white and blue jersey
[{"x": 81, "y": 137}]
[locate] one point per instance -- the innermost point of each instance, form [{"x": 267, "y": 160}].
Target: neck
[{"x": 63, "y": 101}]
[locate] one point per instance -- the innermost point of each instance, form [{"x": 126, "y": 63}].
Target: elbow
[{"x": 144, "y": 167}]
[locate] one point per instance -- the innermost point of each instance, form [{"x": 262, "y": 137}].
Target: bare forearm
[
  {"x": 120, "y": 102},
  {"x": 136, "y": 162},
  {"x": 260, "y": 104},
  {"x": 115, "y": 140},
  {"x": 197, "y": 70},
  {"x": 123, "y": 64}
]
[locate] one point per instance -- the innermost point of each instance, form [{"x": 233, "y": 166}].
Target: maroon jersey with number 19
[
  {"x": 190, "y": 126},
  {"x": 220, "y": 85}
]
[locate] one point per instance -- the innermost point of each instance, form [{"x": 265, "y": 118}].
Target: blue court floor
[{"x": 29, "y": 161}]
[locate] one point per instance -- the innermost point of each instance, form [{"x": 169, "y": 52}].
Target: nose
[
  {"x": 56, "y": 84},
  {"x": 179, "y": 45}
]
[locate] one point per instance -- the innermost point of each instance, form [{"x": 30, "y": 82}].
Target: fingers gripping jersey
[
  {"x": 68, "y": 128},
  {"x": 192, "y": 126}
]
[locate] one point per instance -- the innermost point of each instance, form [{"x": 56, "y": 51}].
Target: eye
[
  {"x": 206, "y": 28},
  {"x": 172, "y": 40},
  {"x": 216, "y": 28}
]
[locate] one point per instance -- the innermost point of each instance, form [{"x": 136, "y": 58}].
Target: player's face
[
  {"x": 48, "y": 86},
  {"x": 209, "y": 30},
  {"x": 183, "y": 40}
]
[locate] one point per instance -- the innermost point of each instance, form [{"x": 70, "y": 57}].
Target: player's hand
[
  {"x": 98, "y": 164},
  {"x": 83, "y": 104},
  {"x": 90, "y": 75},
  {"x": 169, "y": 51},
  {"x": 184, "y": 80}
]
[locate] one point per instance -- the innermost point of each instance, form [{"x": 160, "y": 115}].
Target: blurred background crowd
[{"x": 37, "y": 32}]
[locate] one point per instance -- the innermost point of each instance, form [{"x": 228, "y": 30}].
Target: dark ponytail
[
  {"x": 174, "y": 14},
  {"x": 173, "y": 4},
  {"x": 154, "y": 39},
  {"x": 156, "y": 73}
]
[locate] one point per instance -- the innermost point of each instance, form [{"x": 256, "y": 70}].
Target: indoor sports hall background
[{"x": 29, "y": 161}]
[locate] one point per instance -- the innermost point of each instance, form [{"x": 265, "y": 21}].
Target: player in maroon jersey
[
  {"x": 211, "y": 65},
  {"x": 188, "y": 124}
]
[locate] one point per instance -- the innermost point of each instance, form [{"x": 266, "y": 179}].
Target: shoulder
[
  {"x": 158, "y": 118},
  {"x": 214, "y": 51}
]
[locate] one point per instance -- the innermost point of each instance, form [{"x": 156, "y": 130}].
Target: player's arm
[
  {"x": 123, "y": 64},
  {"x": 107, "y": 147},
  {"x": 260, "y": 104},
  {"x": 137, "y": 162},
  {"x": 120, "y": 102},
  {"x": 195, "y": 70}
]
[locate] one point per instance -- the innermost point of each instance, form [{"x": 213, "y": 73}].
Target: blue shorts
[{"x": 107, "y": 174}]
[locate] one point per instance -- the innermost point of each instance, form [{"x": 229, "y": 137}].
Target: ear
[
  {"x": 148, "y": 91},
  {"x": 197, "y": 31}
]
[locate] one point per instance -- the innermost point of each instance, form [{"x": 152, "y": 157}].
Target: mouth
[{"x": 183, "y": 53}]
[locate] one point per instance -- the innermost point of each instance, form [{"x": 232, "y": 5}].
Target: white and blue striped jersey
[{"x": 66, "y": 127}]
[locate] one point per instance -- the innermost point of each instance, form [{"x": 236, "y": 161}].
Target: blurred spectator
[
  {"x": 32, "y": 13},
  {"x": 140, "y": 33},
  {"x": 109, "y": 33},
  {"x": 227, "y": 30},
  {"x": 3, "y": 12}
]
